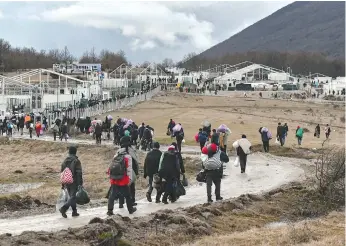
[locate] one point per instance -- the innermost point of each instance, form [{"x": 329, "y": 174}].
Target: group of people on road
[{"x": 165, "y": 168}]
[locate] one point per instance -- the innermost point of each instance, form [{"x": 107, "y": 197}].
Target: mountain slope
[{"x": 300, "y": 26}]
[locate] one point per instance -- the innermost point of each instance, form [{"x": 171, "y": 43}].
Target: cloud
[
  {"x": 148, "y": 24},
  {"x": 1, "y": 14}
]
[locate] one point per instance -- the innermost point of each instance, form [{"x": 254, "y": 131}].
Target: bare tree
[{"x": 167, "y": 62}]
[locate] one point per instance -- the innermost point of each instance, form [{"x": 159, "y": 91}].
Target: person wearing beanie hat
[
  {"x": 73, "y": 163},
  {"x": 151, "y": 167},
  {"x": 212, "y": 167},
  {"x": 125, "y": 141}
]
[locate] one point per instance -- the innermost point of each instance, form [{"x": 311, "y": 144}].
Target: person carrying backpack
[
  {"x": 121, "y": 176},
  {"x": 71, "y": 179}
]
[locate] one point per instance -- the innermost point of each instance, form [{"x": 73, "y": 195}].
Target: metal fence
[{"x": 103, "y": 108}]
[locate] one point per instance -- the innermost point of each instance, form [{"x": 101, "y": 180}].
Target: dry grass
[
  {"x": 41, "y": 162},
  {"x": 190, "y": 111},
  {"x": 329, "y": 230}
]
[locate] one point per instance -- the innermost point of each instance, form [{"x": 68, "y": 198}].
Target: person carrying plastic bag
[
  {"x": 71, "y": 179},
  {"x": 299, "y": 135},
  {"x": 243, "y": 148},
  {"x": 265, "y": 136}
]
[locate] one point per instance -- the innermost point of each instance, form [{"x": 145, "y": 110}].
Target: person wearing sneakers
[
  {"x": 213, "y": 168},
  {"x": 151, "y": 167},
  {"x": 74, "y": 164},
  {"x": 121, "y": 177}
]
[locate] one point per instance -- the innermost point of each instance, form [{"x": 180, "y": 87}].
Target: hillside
[{"x": 300, "y": 26}]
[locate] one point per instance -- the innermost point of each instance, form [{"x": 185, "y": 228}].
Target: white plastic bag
[
  {"x": 277, "y": 141},
  {"x": 237, "y": 162},
  {"x": 183, "y": 141},
  {"x": 204, "y": 157},
  {"x": 62, "y": 199}
]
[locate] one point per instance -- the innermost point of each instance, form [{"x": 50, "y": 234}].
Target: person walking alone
[
  {"x": 73, "y": 163},
  {"x": 243, "y": 148}
]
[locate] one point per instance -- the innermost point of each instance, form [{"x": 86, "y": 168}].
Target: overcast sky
[{"x": 146, "y": 31}]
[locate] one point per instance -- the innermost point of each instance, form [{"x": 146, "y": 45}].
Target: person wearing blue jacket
[{"x": 202, "y": 138}]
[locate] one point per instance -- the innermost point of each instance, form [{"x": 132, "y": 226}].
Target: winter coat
[
  {"x": 64, "y": 129},
  {"x": 128, "y": 176},
  {"x": 202, "y": 137},
  {"x": 125, "y": 141},
  {"x": 75, "y": 165},
  {"x": 171, "y": 124},
  {"x": 215, "y": 138},
  {"x": 300, "y": 132},
  {"x": 179, "y": 135},
  {"x": 98, "y": 130},
  {"x": 318, "y": 129},
  {"x": 264, "y": 136},
  {"x": 141, "y": 131},
  {"x": 21, "y": 122},
  {"x": 281, "y": 131},
  {"x": 152, "y": 162},
  {"x": 169, "y": 167}
]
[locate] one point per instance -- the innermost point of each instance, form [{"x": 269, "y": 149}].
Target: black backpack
[{"x": 117, "y": 168}]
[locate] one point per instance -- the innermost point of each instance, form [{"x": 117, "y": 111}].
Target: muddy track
[{"x": 264, "y": 172}]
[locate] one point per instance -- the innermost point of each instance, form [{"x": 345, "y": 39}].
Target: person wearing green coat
[{"x": 299, "y": 135}]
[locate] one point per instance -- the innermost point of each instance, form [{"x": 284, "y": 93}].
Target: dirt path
[{"x": 264, "y": 172}]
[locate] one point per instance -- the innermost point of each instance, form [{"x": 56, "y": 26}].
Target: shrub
[{"x": 330, "y": 174}]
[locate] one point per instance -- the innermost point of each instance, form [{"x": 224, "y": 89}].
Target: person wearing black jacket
[
  {"x": 98, "y": 133},
  {"x": 281, "y": 134},
  {"x": 141, "y": 131},
  {"x": 75, "y": 165},
  {"x": 179, "y": 136},
  {"x": 64, "y": 131},
  {"x": 170, "y": 126},
  {"x": 170, "y": 171},
  {"x": 215, "y": 138},
  {"x": 151, "y": 167},
  {"x": 21, "y": 124}
]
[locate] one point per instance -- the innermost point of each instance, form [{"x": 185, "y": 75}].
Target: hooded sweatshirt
[{"x": 128, "y": 176}]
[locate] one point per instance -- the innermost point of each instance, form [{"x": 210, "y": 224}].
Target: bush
[{"x": 330, "y": 174}]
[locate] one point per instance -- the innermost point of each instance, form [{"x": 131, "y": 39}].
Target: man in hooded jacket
[{"x": 75, "y": 166}]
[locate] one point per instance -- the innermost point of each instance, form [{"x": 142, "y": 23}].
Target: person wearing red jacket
[{"x": 120, "y": 188}]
